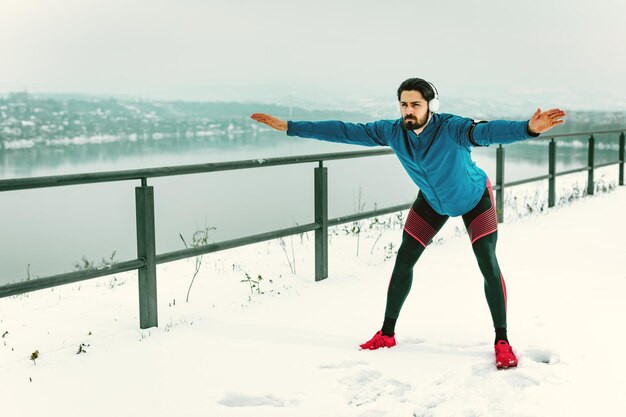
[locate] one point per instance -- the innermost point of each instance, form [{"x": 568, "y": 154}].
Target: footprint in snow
[
  {"x": 396, "y": 388},
  {"x": 411, "y": 341},
  {"x": 366, "y": 387},
  {"x": 360, "y": 379},
  {"x": 342, "y": 365},
  {"x": 546, "y": 356},
  {"x": 234, "y": 399}
]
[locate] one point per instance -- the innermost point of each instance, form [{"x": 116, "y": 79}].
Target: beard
[{"x": 413, "y": 123}]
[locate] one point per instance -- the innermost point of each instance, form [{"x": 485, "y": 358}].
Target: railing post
[
  {"x": 500, "y": 183},
  {"x": 321, "y": 217},
  {"x": 621, "y": 159},
  {"x": 590, "y": 184},
  {"x": 552, "y": 173},
  {"x": 146, "y": 250}
]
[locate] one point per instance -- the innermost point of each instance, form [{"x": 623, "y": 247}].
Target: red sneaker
[
  {"x": 505, "y": 358},
  {"x": 378, "y": 341}
]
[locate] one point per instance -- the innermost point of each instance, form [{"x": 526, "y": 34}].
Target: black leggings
[{"x": 422, "y": 225}]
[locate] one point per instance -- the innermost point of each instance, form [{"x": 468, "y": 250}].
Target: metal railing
[
  {"x": 147, "y": 258},
  {"x": 552, "y": 174}
]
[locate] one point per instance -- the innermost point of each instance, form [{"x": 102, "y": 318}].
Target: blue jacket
[{"x": 438, "y": 160}]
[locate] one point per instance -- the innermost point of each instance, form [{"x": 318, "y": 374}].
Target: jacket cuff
[{"x": 531, "y": 134}]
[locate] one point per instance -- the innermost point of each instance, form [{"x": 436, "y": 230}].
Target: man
[{"x": 434, "y": 149}]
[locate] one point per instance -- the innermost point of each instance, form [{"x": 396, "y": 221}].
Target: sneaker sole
[{"x": 506, "y": 366}]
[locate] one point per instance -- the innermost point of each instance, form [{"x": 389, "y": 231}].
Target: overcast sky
[{"x": 247, "y": 50}]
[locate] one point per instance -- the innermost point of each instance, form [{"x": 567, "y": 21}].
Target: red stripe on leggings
[
  {"x": 487, "y": 222},
  {"x": 483, "y": 225},
  {"x": 503, "y": 291},
  {"x": 419, "y": 228}
]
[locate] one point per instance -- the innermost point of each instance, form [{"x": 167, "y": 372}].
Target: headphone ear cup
[{"x": 433, "y": 105}]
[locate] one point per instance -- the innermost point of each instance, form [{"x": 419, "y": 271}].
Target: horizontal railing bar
[
  {"x": 135, "y": 174},
  {"x": 564, "y": 135},
  {"x": 572, "y": 171},
  {"x": 526, "y": 181},
  {"x": 368, "y": 214},
  {"x": 234, "y": 243},
  {"x": 66, "y": 180},
  {"x": 68, "y": 278},
  {"x": 557, "y": 174},
  {"x": 545, "y": 177}
]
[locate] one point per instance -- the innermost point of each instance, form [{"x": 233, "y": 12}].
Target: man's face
[{"x": 414, "y": 109}]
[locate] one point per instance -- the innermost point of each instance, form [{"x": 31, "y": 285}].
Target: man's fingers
[
  {"x": 546, "y": 120},
  {"x": 262, "y": 118},
  {"x": 271, "y": 121},
  {"x": 553, "y": 117},
  {"x": 554, "y": 113}
]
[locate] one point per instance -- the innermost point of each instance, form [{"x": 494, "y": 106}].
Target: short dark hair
[{"x": 417, "y": 84}]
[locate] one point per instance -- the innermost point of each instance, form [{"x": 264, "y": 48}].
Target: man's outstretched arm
[
  {"x": 505, "y": 131},
  {"x": 368, "y": 134}
]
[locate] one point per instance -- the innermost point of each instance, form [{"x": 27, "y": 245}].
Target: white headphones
[{"x": 433, "y": 104}]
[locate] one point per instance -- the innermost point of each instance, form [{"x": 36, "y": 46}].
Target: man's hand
[
  {"x": 544, "y": 121},
  {"x": 271, "y": 121}
]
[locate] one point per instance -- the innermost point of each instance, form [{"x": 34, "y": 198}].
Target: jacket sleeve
[
  {"x": 368, "y": 134},
  {"x": 499, "y": 131},
  {"x": 481, "y": 133}
]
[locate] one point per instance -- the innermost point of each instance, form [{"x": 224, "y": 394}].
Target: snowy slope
[{"x": 290, "y": 349}]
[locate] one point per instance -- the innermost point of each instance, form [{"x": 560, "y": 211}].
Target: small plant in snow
[
  {"x": 85, "y": 263},
  {"x": 290, "y": 259},
  {"x": 355, "y": 229},
  {"x": 28, "y": 275},
  {"x": 602, "y": 186},
  {"x": 199, "y": 238},
  {"x": 34, "y": 356},
  {"x": 115, "y": 282},
  {"x": 374, "y": 223},
  {"x": 389, "y": 251},
  {"x": 381, "y": 226},
  {"x": 391, "y": 222},
  {"x": 255, "y": 284}
]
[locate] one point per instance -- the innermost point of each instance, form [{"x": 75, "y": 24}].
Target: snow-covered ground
[{"x": 289, "y": 346}]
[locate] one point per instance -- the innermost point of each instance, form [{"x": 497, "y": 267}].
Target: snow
[
  {"x": 19, "y": 144},
  {"x": 288, "y": 347},
  {"x": 83, "y": 140}
]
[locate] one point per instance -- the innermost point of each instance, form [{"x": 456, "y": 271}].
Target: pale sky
[{"x": 247, "y": 50}]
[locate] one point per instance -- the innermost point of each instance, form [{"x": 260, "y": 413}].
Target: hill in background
[{"x": 52, "y": 119}]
